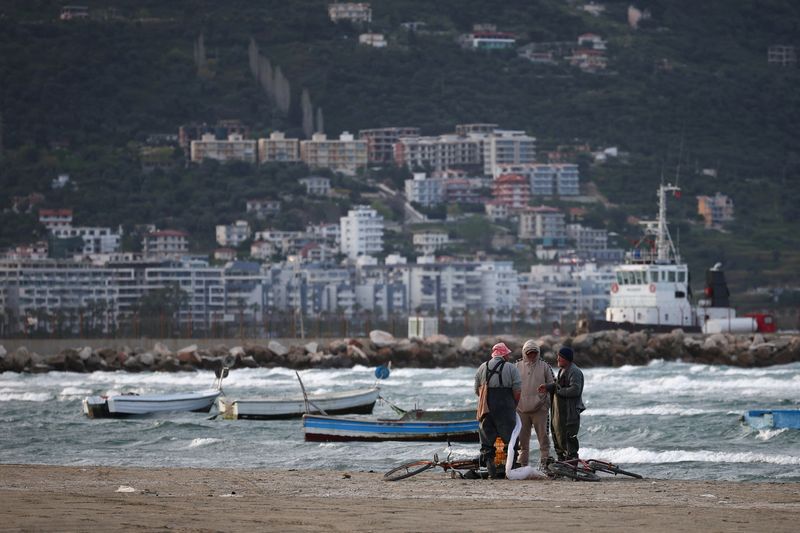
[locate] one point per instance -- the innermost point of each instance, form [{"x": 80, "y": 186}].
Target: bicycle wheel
[
  {"x": 561, "y": 469},
  {"x": 407, "y": 470},
  {"x": 612, "y": 469}
]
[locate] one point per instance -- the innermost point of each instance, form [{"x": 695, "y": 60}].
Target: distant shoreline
[{"x": 57, "y": 498}]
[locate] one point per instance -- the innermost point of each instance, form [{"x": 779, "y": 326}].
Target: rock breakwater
[{"x": 606, "y": 348}]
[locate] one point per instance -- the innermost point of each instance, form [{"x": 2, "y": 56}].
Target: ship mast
[{"x": 665, "y": 250}]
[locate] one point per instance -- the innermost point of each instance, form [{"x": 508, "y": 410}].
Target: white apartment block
[
  {"x": 352, "y": 11},
  {"x": 424, "y": 191},
  {"x": 345, "y": 155},
  {"x": 439, "y": 153},
  {"x": 316, "y": 185},
  {"x": 560, "y": 179},
  {"x": 429, "y": 242},
  {"x": 496, "y": 210},
  {"x": 96, "y": 240},
  {"x": 507, "y": 147},
  {"x": 234, "y": 148},
  {"x": 233, "y": 234},
  {"x": 381, "y": 141},
  {"x": 543, "y": 223},
  {"x": 165, "y": 243},
  {"x": 278, "y": 148},
  {"x": 587, "y": 239},
  {"x": 331, "y": 233},
  {"x": 361, "y": 232}
]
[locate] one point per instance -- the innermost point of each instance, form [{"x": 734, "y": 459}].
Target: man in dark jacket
[{"x": 566, "y": 405}]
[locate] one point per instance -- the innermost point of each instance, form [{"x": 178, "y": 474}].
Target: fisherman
[
  {"x": 566, "y": 404},
  {"x": 534, "y": 406},
  {"x": 503, "y": 391}
]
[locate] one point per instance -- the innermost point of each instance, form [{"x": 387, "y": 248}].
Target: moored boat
[
  {"x": 345, "y": 402},
  {"x": 135, "y": 404},
  {"x": 329, "y": 428},
  {"x": 773, "y": 418}
]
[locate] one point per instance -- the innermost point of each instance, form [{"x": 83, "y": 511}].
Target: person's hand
[{"x": 542, "y": 388}]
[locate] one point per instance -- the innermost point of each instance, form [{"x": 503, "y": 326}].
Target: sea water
[{"x": 664, "y": 420}]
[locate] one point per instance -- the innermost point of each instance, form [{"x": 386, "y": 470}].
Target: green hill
[{"x": 690, "y": 89}]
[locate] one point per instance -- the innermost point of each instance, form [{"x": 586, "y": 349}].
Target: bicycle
[
  {"x": 415, "y": 467},
  {"x": 608, "y": 467},
  {"x": 584, "y": 470}
]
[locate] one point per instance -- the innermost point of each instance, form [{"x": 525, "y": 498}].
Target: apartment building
[
  {"x": 437, "y": 153},
  {"x": 430, "y": 242},
  {"x": 345, "y": 155},
  {"x": 715, "y": 210},
  {"x": 381, "y": 141},
  {"x": 361, "y": 232},
  {"x": 234, "y": 148},
  {"x": 277, "y": 148},
  {"x": 562, "y": 179},
  {"x": 512, "y": 190},
  {"x": 316, "y": 185},
  {"x": 546, "y": 224},
  {"x": 165, "y": 243},
  {"x": 233, "y": 234},
  {"x": 507, "y": 147},
  {"x": 55, "y": 218},
  {"x": 96, "y": 240},
  {"x": 262, "y": 207},
  {"x": 351, "y": 11},
  {"x": 424, "y": 191}
]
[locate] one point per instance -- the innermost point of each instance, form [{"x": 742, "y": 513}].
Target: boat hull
[
  {"x": 773, "y": 419},
  {"x": 605, "y": 325},
  {"x": 133, "y": 405},
  {"x": 331, "y": 429},
  {"x": 349, "y": 402}
]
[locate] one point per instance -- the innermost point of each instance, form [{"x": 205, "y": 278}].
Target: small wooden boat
[
  {"x": 444, "y": 415},
  {"x": 330, "y": 428},
  {"x": 123, "y": 405},
  {"x": 346, "y": 402},
  {"x": 773, "y": 418},
  {"x": 135, "y": 404}
]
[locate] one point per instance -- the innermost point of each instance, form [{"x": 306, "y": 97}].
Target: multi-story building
[
  {"x": 278, "y": 148},
  {"x": 587, "y": 239},
  {"x": 715, "y": 210},
  {"x": 437, "y": 153},
  {"x": 361, "y": 232},
  {"x": 233, "y": 234},
  {"x": 234, "y": 148},
  {"x": 543, "y": 223},
  {"x": 376, "y": 40},
  {"x": 352, "y": 11},
  {"x": 429, "y": 242},
  {"x": 55, "y": 218},
  {"x": 381, "y": 141},
  {"x": 316, "y": 185},
  {"x": 166, "y": 243},
  {"x": 262, "y": 207},
  {"x": 512, "y": 190},
  {"x": 548, "y": 179},
  {"x": 424, "y": 191},
  {"x": 221, "y": 130},
  {"x": 479, "y": 128},
  {"x": 506, "y": 147},
  {"x": 464, "y": 190},
  {"x": 96, "y": 240},
  {"x": 496, "y": 210},
  {"x": 488, "y": 40},
  {"x": 782, "y": 55},
  {"x": 345, "y": 155}
]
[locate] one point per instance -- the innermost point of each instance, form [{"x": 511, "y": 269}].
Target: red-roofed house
[{"x": 55, "y": 218}]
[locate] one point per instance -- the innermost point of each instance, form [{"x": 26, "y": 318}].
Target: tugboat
[{"x": 652, "y": 288}]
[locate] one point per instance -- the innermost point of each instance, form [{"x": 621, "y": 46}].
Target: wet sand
[{"x": 54, "y": 498}]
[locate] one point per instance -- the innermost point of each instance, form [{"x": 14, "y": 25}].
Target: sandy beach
[{"x": 55, "y": 498}]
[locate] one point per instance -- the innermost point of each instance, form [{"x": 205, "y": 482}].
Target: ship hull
[{"x": 605, "y": 325}]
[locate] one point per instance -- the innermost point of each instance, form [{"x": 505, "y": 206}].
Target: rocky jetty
[{"x": 606, "y": 348}]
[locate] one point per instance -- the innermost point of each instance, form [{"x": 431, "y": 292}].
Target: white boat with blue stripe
[{"x": 331, "y": 428}]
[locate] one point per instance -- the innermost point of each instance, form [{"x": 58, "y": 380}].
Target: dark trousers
[
  {"x": 565, "y": 439},
  {"x": 499, "y": 422}
]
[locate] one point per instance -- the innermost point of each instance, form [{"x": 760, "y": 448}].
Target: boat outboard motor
[{"x": 716, "y": 288}]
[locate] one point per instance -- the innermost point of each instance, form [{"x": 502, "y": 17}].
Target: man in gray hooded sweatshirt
[{"x": 534, "y": 406}]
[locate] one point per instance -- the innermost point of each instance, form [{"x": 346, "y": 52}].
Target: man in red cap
[{"x": 503, "y": 390}]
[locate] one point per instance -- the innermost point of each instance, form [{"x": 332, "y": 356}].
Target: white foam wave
[
  {"x": 632, "y": 455},
  {"x": 74, "y": 392},
  {"x": 196, "y": 443},
  {"x": 448, "y": 383},
  {"x": 657, "y": 410},
  {"x": 25, "y": 397},
  {"x": 766, "y": 434}
]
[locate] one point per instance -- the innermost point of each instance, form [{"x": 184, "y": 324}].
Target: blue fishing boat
[
  {"x": 773, "y": 418},
  {"x": 331, "y": 428}
]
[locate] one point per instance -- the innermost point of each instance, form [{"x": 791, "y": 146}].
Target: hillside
[{"x": 690, "y": 89}]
